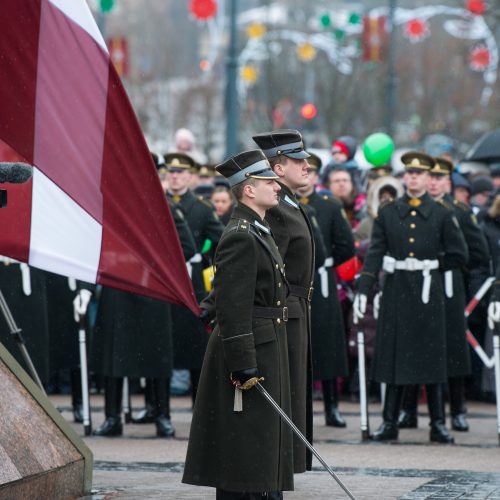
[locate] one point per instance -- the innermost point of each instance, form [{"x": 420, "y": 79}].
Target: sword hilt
[{"x": 250, "y": 383}]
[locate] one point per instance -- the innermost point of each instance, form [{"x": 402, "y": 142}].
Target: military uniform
[
  {"x": 248, "y": 451},
  {"x": 133, "y": 339},
  {"x": 190, "y": 338},
  {"x": 329, "y": 350},
  {"x": 25, "y": 292},
  {"x": 413, "y": 240},
  {"x": 294, "y": 236},
  {"x": 457, "y": 349}
]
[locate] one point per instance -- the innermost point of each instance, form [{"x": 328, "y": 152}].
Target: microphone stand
[{"x": 16, "y": 332}]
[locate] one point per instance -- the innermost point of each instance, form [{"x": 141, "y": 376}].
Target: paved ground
[{"x": 140, "y": 466}]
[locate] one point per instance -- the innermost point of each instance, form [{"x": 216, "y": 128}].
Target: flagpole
[
  {"x": 231, "y": 84},
  {"x": 391, "y": 72}
]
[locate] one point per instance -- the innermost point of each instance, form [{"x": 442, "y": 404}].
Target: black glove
[
  {"x": 204, "y": 317},
  {"x": 243, "y": 375}
]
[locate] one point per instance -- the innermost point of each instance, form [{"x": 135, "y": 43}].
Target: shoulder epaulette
[
  {"x": 461, "y": 205},
  {"x": 205, "y": 202},
  {"x": 444, "y": 204},
  {"x": 243, "y": 226}
]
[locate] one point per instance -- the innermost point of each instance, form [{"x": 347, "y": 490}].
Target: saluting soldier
[
  {"x": 458, "y": 353},
  {"x": 329, "y": 350},
  {"x": 190, "y": 338},
  {"x": 414, "y": 240},
  {"x": 294, "y": 236},
  {"x": 242, "y": 447}
]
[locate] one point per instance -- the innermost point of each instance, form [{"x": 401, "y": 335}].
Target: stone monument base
[{"x": 41, "y": 456}]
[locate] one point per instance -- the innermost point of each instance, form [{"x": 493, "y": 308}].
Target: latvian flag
[{"x": 94, "y": 209}]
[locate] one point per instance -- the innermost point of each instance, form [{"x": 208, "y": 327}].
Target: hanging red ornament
[
  {"x": 476, "y": 7},
  {"x": 479, "y": 58},
  {"x": 203, "y": 9},
  {"x": 416, "y": 30}
]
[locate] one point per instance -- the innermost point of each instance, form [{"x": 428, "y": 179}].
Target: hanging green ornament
[
  {"x": 325, "y": 20},
  {"x": 339, "y": 34},
  {"x": 355, "y": 18}
]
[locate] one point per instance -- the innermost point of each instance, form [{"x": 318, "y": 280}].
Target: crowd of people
[{"x": 288, "y": 256}]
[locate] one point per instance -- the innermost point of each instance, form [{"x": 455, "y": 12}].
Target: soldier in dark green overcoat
[
  {"x": 329, "y": 350},
  {"x": 190, "y": 338},
  {"x": 293, "y": 233},
  {"x": 458, "y": 352},
  {"x": 245, "y": 452},
  {"x": 414, "y": 239}
]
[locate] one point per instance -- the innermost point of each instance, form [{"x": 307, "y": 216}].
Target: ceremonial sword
[{"x": 256, "y": 382}]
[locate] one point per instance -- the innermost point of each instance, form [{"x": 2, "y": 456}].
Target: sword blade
[{"x": 301, "y": 436}]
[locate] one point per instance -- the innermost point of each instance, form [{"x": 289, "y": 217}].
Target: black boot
[
  {"x": 76, "y": 396},
  {"x": 389, "y": 429},
  {"x": 439, "y": 433},
  {"x": 112, "y": 426},
  {"x": 408, "y": 415},
  {"x": 457, "y": 404},
  {"x": 147, "y": 415},
  {"x": 164, "y": 427},
  {"x": 333, "y": 417}
]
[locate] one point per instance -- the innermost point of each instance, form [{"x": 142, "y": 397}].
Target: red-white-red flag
[{"x": 94, "y": 209}]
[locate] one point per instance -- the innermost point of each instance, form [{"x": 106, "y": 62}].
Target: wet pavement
[{"x": 139, "y": 466}]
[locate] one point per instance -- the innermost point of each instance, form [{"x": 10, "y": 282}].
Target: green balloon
[{"x": 378, "y": 149}]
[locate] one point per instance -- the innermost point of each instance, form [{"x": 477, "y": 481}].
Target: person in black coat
[
  {"x": 133, "y": 334},
  {"x": 329, "y": 350},
  {"x": 238, "y": 443},
  {"x": 25, "y": 292},
  {"x": 414, "y": 239},
  {"x": 189, "y": 336},
  {"x": 458, "y": 352},
  {"x": 294, "y": 236}
]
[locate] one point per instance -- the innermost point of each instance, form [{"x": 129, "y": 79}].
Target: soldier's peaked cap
[
  {"x": 414, "y": 160},
  {"x": 179, "y": 161},
  {"x": 249, "y": 164},
  {"x": 287, "y": 142},
  {"x": 314, "y": 161},
  {"x": 443, "y": 166}
]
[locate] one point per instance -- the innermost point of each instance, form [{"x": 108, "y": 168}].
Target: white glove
[
  {"x": 376, "y": 304},
  {"x": 358, "y": 308},
  {"x": 80, "y": 303},
  {"x": 493, "y": 314}
]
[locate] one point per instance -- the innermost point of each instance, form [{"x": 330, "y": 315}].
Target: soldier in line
[
  {"x": 133, "y": 338},
  {"x": 243, "y": 448},
  {"x": 329, "y": 351},
  {"x": 457, "y": 349},
  {"x": 414, "y": 238},
  {"x": 154, "y": 390},
  {"x": 189, "y": 336},
  {"x": 293, "y": 233},
  {"x": 64, "y": 346},
  {"x": 25, "y": 292}
]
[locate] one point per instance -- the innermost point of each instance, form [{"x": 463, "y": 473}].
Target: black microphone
[{"x": 15, "y": 173}]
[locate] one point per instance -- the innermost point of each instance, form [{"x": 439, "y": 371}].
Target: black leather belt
[
  {"x": 301, "y": 291},
  {"x": 271, "y": 312}
]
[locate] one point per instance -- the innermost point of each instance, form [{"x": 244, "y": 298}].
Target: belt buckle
[
  {"x": 310, "y": 294},
  {"x": 285, "y": 314},
  {"x": 411, "y": 264}
]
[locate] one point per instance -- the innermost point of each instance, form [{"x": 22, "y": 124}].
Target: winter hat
[
  {"x": 482, "y": 184},
  {"x": 345, "y": 144}
]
